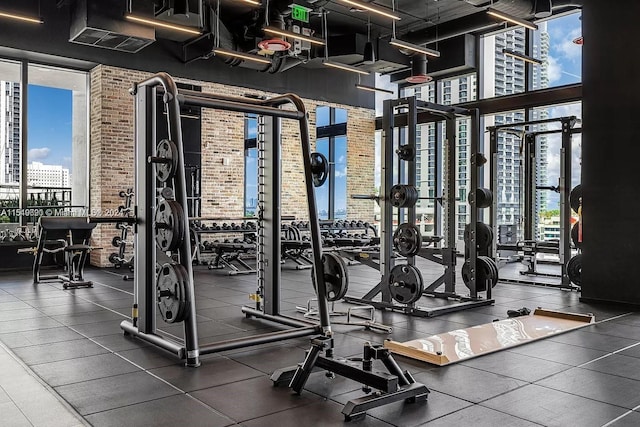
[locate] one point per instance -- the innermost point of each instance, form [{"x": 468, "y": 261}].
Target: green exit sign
[{"x": 299, "y": 13}]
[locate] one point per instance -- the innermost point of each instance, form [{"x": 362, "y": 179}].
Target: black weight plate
[
  {"x": 320, "y": 169},
  {"x": 113, "y": 259},
  {"x": 466, "y": 273},
  {"x": 116, "y": 241},
  {"x": 171, "y": 292},
  {"x": 574, "y": 269},
  {"x": 406, "y": 153},
  {"x": 169, "y": 224},
  {"x": 184, "y": 299},
  {"x": 405, "y": 284},
  {"x": 575, "y": 234},
  {"x": 168, "y": 150},
  {"x": 575, "y": 197},
  {"x": 336, "y": 277},
  {"x": 403, "y": 196},
  {"x": 407, "y": 239},
  {"x": 484, "y": 235}
]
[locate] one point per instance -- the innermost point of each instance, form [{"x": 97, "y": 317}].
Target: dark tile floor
[{"x": 72, "y": 340}]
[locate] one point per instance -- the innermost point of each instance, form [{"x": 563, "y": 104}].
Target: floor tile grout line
[
  {"x": 583, "y": 397},
  {"x": 13, "y": 402},
  {"x": 149, "y": 373},
  {"x": 28, "y": 371},
  {"x": 608, "y": 354},
  {"x": 630, "y": 411}
]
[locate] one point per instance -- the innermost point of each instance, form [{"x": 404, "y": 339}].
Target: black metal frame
[
  {"x": 446, "y": 254},
  {"x": 529, "y": 186},
  {"x": 143, "y": 324}
]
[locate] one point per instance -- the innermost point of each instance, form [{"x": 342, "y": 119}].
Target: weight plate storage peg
[
  {"x": 335, "y": 274},
  {"x": 169, "y": 225},
  {"x": 575, "y": 198},
  {"x": 403, "y": 196},
  {"x": 319, "y": 169},
  {"x": 407, "y": 240},
  {"x": 574, "y": 269},
  {"x": 168, "y": 152},
  {"x": 405, "y": 283},
  {"x": 171, "y": 294}
]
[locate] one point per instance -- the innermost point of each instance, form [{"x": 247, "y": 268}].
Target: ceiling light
[
  {"x": 345, "y": 67},
  {"x": 161, "y": 24},
  {"x": 419, "y": 70},
  {"x": 522, "y": 56},
  {"x": 21, "y": 18},
  {"x": 510, "y": 18},
  {"x": 375, "y": 89},
  {"x": 543, "y": 9},
  {"x": 253, "y": 2},
  {"x": 285, "y": 33},
  {"x": 414, "y": 47},
  {"x": 241, "y": 55},
  {"x": 372, "y": 8}
]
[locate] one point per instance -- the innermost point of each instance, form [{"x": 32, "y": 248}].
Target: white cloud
[
  {"x": 341, "y": 173},
  {"x": 38, "y": 153},
  {"x": 566, "y": 47},
  {"x": 554, "y": 70}
]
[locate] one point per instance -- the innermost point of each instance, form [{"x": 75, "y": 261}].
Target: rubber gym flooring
[{"x": 71, "y": 339}]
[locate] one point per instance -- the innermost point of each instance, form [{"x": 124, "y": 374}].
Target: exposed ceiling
[{"x": 432, "y": 23}]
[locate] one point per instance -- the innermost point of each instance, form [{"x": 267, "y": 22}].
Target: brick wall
[{"x": 112, "y": 154}]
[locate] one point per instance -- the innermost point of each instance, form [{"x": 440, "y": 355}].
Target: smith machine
[
  {"x": 530, "y": 245},
  {"x": 401, "y": 285},
  {"x": 163, "y": 275}
]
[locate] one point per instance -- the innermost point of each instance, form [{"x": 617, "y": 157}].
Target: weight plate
[
  {"x": 183, "y": 311},
  {"x": 406, "y": 153},
  {"x": 575, "y": 198},
  {"x": 171, "y": 292},
  {"x": 486, "y": 271},
  {"x": 167, "y": 193},
  {"x": 169, "y": 225},
  {"x": 466, "y": 273},
  {"x": 574, "y": 269},
  {"x": 484, "y": 235},
  {"x": 168, "y": 150},
  {"x": 407, "y": 240},
  {"x": 403, "y": 196},
  {"x": 114, "y": 259},
  {"x": 483, "y": 196},
  {"x": 319, "y": 169},
  {"x": 405, "y": 284},
  {"x": 116, "y": 241},
  {"x": 336, "y": 277},
  {"x": 575, "y": 230}
]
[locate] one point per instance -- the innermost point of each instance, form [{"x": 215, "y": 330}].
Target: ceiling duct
[
  {"x": 101, "y": 24},
  {"x": 187, "y": 13}
]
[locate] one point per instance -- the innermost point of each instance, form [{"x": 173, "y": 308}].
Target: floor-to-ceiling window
[
  {"x": 54, "y": 148},
  {"x": 331, "y": 141}
]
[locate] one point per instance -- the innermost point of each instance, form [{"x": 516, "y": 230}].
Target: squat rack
[
  {"x": 529, "y": 164},
  {"x": 143, "y": 324},
  {"x": 445, "y": 194}
]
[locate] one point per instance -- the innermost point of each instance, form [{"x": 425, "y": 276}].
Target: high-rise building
[
  {"x": 503, "y": 75},
  {"x": 9, "y": 132}
]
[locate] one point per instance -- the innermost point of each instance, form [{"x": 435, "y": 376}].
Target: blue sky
[{"x": 49, "y": 123}]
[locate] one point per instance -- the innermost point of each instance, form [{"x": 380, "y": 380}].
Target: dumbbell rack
[{"x": 197, "y": 232}]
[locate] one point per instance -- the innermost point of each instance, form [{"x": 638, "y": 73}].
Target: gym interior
[{"x": 345, "y": 212}]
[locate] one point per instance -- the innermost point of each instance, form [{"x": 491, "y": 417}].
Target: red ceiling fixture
[
  {"x": 274, "y": 45},
  {"x": 419, "y": 70}
]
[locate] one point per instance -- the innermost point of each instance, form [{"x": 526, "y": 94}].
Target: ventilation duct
[
  {"x": 187, "y": 13},
  {"x": 101, "y": 24}
]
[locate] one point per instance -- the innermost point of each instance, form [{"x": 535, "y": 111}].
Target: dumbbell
[
  {"x": 225, "y": 226},
  {"x": 354, "y": 223},
  {"x": 359, "y": 223},
  {"x": 237, "y": 240}
]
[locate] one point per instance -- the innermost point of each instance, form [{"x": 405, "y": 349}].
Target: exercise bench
[{"x": 69, "y": 235}]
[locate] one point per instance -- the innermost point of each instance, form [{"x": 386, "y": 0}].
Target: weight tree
[
  {"x": 529, "y": 184},
  {"x": 403, "y": 282},
  {"x": 162, "y": 224}
]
